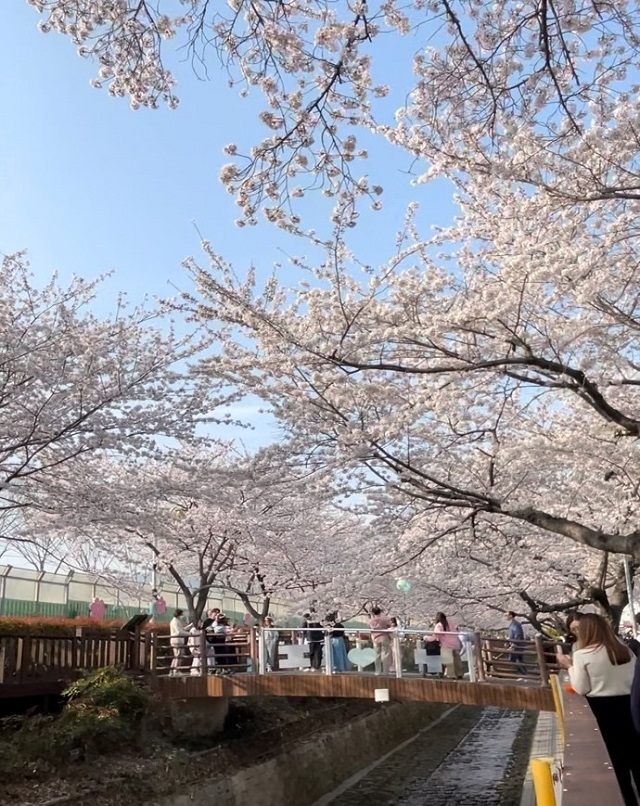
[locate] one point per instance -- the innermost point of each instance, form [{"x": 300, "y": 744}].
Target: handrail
[{"x": 39, "y": 657}]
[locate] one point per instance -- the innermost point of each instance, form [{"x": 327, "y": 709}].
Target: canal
[{"x": 468, "y": 757}]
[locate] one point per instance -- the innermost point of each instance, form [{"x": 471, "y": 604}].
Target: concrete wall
[
  {"x": 305, "y": 771},
  {"x": 200, "y": 716}
]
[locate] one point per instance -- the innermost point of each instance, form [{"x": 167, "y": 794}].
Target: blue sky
[{"x": 88, "y": 185}]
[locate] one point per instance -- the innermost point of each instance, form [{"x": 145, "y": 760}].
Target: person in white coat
[
  {"x": 179, "y": 633},
  {"x": 271, "y": 642}
]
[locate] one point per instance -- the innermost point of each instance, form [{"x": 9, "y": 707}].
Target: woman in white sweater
[{"x": 602, "y": 669}]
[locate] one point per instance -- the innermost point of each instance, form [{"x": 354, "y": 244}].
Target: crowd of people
[
  {"x": 382, "y": 631},
  {"x": 220, "y": 651}
]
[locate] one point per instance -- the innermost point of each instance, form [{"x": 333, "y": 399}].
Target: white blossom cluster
[
  {"x": 208, "y": 514},
  {"x": 124, "y": 38},
  {"x": 540, "y": 94}
]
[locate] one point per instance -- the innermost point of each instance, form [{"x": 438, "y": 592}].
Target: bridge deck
[{"x": 504, "y": 695}]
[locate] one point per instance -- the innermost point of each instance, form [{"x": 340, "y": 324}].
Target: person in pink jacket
[{"x": 443, "y": 632}]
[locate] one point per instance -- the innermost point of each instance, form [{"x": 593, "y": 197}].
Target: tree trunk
[
  {"x": 258, "y": 615},
  {"x": 618, "y": 599},
  {"x": 202, "y": 598}
]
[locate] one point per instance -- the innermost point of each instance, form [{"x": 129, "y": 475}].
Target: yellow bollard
[
  {"x": 557, "y": 699},
  {"x": 543, "y": 781}
]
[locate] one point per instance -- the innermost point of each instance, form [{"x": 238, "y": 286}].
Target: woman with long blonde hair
[{"x": 602, "y": 669}]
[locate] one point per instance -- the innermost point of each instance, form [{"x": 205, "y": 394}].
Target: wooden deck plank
[
  {"x": 588, "y": 779},
  {"x": 536, "y": 698}
]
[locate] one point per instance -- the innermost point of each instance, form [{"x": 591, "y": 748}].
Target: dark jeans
[
  {"x": 516, "y": 657},
  {"x": 613, "y": 715},
  {"x": 315, "y": 654},
  {"x": 224, "y": 653}
]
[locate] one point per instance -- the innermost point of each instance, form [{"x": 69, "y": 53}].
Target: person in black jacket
[
  {"x": 632, "y": 643},
  {"x": 314, "y": 635}
]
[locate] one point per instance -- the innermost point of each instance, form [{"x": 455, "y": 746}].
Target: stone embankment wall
[{"x": 307, "y": 769}]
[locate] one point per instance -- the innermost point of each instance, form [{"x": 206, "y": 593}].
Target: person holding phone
[{"x": 602, "y": 669}]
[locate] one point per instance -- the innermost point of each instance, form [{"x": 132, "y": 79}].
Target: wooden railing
[
  {"x": 513, "y": 660},
  {"x": 39, "y": 658},
  {"x": 198, "y": 656},
  {"x": 44, "y": 658}
]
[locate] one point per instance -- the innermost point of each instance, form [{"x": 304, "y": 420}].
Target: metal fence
[{"x": 26, "y": 592}]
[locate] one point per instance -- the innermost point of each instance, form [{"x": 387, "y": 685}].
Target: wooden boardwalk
[
  {"x": 405, "y": 689},
  {"x": 588, "y": 779}
]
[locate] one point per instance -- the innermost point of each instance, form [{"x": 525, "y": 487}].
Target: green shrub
[
  {"x": 109, "y": 688},
  {"x": 103, "y": 715}
]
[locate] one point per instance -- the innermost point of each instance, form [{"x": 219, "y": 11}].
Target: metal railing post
[
  {"x": 543, "y": 781},
  {"x": 359, "y": 647},
  {"x": 328, "y": 654},
  {"x": 253, "y": 650},
  {"x": 471, "y": 658},
  {"x": 559, "y": 704},
  {"x": 395, "y": 638},
  {"x": 262, "y": 652}
]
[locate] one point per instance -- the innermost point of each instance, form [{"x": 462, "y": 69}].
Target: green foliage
[
  {"x": 109, "y": 688},
  {"x": 103, "y": 715}
]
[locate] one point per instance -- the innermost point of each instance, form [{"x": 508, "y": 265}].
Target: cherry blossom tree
[
  {"x": 503, "y": 385},
  {"x": 42, "y": 553},
  {"x": 540, "y": 93},
  {"x": 72, "y": 384},
  {"x": 207, "y": 517},
  {"x": 492, "y": 569},
  {"x": 486, "y": 374}
]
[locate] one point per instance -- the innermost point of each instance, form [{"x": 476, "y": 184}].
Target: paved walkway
[{"x": 547, "y": 743}]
